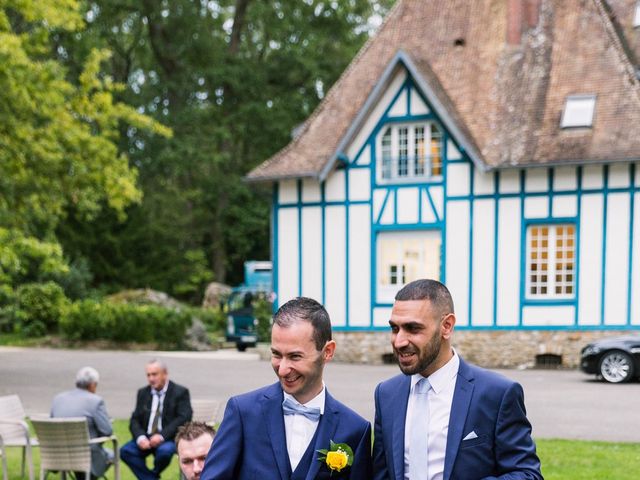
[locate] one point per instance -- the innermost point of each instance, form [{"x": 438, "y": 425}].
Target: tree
[
  {"x": 232, "y": 78},
  {"x": 58, "y": 138}
]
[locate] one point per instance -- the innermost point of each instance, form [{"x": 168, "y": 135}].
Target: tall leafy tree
[
  {"x": 232, "y": 78},
  {"x": 59, "y": 136}
]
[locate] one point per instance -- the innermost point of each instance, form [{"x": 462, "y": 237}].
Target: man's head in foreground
[{"x": 193, "y": 442}]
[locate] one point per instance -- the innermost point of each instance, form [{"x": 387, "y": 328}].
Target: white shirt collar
[
  {"x": 315, "y": 402},
  {"x": 441, "y": 377}
]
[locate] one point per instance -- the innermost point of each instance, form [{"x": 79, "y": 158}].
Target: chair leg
[
  {"x": 5, "y": 473},
  {"x": 29, "y": 457}
]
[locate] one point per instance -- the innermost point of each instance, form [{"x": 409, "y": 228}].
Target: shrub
[
  {"x": 39, "y": 307},
  {"x": 91, "y": 320},
  {"x": 263, "y": 311}
]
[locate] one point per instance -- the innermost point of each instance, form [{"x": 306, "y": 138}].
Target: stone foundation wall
[{"x": 491, "y": 349}]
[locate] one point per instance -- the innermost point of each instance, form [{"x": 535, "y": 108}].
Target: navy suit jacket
[
  {"x": 484, "y": 402},
  {"x": 251, "y": 441}
]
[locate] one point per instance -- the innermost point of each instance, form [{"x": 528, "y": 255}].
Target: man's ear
[
  {"x": 447, "y": 324},
  {"x": 329, "y": 350}
]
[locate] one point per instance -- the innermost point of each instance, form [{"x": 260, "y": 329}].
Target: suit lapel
[
  {"x": 400, "y": 399},
  {"x": 458, "y": 416},
  {"x": 272, "y": 411},
  {"x": 326, "y": 431}
]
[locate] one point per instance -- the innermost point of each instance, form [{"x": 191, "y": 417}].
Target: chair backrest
[
  {"x": 206, "y": 410},
  {"x": 64, "y": 443},
  {"x": 11, "y": 409}
]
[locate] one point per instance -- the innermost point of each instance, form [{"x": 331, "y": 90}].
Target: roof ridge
[{"x": 612, "y": 32}]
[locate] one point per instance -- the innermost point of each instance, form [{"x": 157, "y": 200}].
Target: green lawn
[{"x": 561, "y": 459}]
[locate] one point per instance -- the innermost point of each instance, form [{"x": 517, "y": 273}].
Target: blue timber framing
[{"x": 410, "y": 88}]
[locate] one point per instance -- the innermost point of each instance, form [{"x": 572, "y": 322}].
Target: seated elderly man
[
  {"x": 83, "y": 402},
  {"x": 193, "y": 442}
]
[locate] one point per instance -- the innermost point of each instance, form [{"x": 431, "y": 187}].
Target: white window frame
[
  {"x": 547, "y": 282},
  {"x": 578, "y": 111},
  {"x": 390, "y": 167},
  {"x": 427, "y": 264}
]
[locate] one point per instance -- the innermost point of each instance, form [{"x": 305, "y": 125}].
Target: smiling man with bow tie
[{"x": 274, "y": 433}]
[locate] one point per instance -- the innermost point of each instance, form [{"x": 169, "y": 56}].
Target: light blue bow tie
[{"x": 289, "y": 407}]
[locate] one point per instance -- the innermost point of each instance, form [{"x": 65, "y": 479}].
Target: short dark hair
[
  {"x": 308, "y": 310},
  {"x": 427, "y": 289},
  {"x": 192, "y": 430}
]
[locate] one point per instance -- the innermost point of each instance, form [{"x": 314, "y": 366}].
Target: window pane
[
  {"x": 419, "y": 152},
  {"x": 434, "y": 153},
  {"x": 551, "y": 250},
  {"x": 403, "y": 257},
  {"x": 403, "y": 152},
  {"x": 386, "y": 154}
]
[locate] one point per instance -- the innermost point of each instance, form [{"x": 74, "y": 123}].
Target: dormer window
[
  {"x": 578, "y": 111},
  {"x": 636, "y": 16},
  {"x": 409, "y": 152}
]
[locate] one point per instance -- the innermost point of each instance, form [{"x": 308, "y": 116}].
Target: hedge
[{"x": 91, "y": 320}]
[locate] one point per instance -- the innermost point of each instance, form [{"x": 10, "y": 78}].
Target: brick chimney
[{"x": 521, "y": 14}]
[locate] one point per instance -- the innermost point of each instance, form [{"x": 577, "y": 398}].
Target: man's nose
[
  {"x": 400, "y": 339},
  {"x": 283, "y": 367},
  {"x": 198, "y": 465}
]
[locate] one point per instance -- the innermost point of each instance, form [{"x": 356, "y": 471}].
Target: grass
[{"x": 561, "y": 459}]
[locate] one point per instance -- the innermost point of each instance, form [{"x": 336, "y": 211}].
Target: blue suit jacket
[
  {"x": 251, "y": 442},
  {"x": 484, "y": 402}
]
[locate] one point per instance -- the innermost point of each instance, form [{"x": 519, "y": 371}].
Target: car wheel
[
  {"x": 241, "y": 347},
  {"x": 616, "y": 367}
]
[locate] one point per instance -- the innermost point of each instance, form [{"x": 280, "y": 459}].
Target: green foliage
[
  {"x": 122, "y": 322},
  {"x": 27, "y": 259},
  {"x": 195, "y": 278},
  {"x": 232, "y": 84},
  {"x": 76, "y": 283},
  {"x": 39, "y": 307},
  {"x": 263, "y": 311},
  {"x": 214, "y": 319},
  {"x": 59, "y": 148}
]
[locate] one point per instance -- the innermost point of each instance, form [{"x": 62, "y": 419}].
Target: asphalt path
[{"x": 560, "y": 403}]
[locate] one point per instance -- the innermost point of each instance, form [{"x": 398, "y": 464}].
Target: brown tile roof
[{"x": 505, "y": 98}]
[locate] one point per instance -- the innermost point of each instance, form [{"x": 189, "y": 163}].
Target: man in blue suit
[
  {"x": 444, "y": 419},
  {"x": 274, "y": 433}
]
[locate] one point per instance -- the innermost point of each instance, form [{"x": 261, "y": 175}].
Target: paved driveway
[{"x": 561, "y": 404}]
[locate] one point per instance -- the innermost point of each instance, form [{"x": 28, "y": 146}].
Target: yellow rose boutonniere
[{"x": 337, "y": 456}]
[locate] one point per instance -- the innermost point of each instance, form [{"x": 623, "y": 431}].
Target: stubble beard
[{"x": 426, "y": 357}]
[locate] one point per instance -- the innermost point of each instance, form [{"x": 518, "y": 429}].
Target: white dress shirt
[
  {"x": 300, "y": 430},
  {"x": 155, "y": 398},
  {"x": 443, "y": 383}
]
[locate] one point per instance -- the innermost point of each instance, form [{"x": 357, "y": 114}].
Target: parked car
[{"x": 616, "y": 360}]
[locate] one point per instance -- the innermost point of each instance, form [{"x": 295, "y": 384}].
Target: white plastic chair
[
  {"x": 65, "y": 445},
  {"x": 206, "y": 410},
  {"x": 15, "y": 431}
]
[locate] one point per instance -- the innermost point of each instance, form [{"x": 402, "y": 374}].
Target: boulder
[{"x": 215, "y": 295}]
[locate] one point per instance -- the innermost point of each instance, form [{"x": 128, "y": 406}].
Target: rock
[
  {"x": 145, "y": 296},
  {"x": 215, "y": 295},
  {"x": 196, "y": 337}
]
